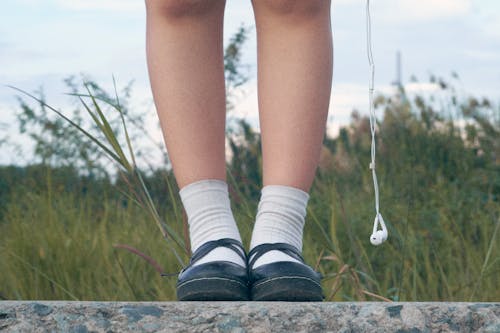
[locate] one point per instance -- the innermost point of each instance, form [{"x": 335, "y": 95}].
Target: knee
[
  {"x": 183, "y": 8},
  {"x": 293, "y": 8}
]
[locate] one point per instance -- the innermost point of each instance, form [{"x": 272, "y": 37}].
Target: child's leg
[
  {"x": 186, "y": 69},
  {"x": 185, "y": 60},
  {"x": 294, "y": 83}
]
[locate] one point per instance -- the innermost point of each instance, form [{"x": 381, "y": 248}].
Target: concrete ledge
[{"x": 81, "y": 317}]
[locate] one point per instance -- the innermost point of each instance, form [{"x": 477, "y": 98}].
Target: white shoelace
[{"x": 378, "y": 236}]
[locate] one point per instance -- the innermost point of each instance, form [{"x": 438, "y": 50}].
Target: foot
[
  {"x": 283, "y": 280},
  {"x": 215, "y": 280}
]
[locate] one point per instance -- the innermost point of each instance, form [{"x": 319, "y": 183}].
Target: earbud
[{"x": 378, "y": 237}]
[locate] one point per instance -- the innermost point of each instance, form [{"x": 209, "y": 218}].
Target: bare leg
[
  {"x": 186, "y": 70},
  {"x": 294, "y": 47},
  {"x": 294, "y": 83}
]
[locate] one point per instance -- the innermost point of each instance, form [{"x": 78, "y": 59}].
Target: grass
[
  {"x": 60, "y": 248},
  {"x": 56, "y": 245},
  {"x": 441, "y": 210}
]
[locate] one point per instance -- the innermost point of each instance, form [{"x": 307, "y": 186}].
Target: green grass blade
[
  {"x": 92, "y": 115},
  {"x": 155, "y": 214},
  {"x": 45, "y": 276},
  {"x": 87, "y": 134},
  {"x": 108, "y": 132},
  {"x": 485, "y": 263},
  {"x": 127, "y": 137}
]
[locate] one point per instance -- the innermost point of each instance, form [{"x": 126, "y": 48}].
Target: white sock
[
  {"x": 280, "y": 219},
  {"x": 208, "y": 209}
]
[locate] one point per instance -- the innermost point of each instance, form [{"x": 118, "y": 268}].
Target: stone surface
[{"x": 240, "y": 317}]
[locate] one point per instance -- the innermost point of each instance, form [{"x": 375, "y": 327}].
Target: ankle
[
  {"x": 210, "y": 218},
  {"x": 280, "y": 219}
]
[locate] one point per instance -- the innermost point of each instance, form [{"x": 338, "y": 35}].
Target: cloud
[
  {"x": 408, "y": 10},
  {"x": 487, "y": 16},
  {"x": 424, "y": 10},
  {"x": 421, "y": 87},
  {"x": 482, "y": 55},
  {"x": 412, "y": 10},
  {"x": 108, "y": 5}
]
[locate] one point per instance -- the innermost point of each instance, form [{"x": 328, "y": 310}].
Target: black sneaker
[
  {"x": 283, "y": 280},
  {"x": 216, "y": 280}
]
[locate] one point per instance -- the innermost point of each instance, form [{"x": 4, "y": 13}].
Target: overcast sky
[{"x": 44, "y": 41}]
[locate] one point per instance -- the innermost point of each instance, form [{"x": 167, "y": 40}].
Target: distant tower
[{"x": 398, "y": 81}]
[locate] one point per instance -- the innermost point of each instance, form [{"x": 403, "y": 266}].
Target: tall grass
[
  {"x": 439, "y": 199},
  {"x": 56, "y": 245},
  {"x": 53, "y": 246}
]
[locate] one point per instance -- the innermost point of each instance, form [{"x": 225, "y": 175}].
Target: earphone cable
[{"x": 378, "y": 217}]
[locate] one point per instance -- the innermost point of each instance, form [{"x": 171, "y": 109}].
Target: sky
[{"x": 44, "y": 41}]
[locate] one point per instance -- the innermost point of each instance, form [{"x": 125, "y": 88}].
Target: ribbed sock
[
  {"x": 208, "y": 209},
  {"x": 280, "y": 219}
]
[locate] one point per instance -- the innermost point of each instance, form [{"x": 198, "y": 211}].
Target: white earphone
[{"x": 378, "y": 236}]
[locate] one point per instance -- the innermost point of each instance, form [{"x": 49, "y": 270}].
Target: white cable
[{"x": 378, "y": 236}]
